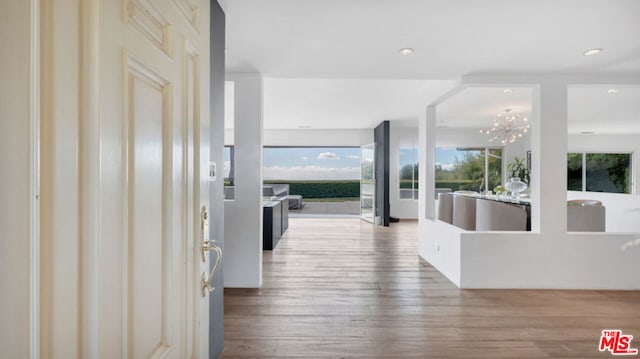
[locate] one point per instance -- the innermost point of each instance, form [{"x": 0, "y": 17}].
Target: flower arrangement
[{"x": 499, "y": 189}]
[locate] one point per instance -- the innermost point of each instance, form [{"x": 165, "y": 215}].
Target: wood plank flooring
[{"x": 342, "y": 288}]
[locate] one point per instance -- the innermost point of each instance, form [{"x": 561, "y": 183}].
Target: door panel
[
  {"x": 149, "y": 280},
  {"x": 151, "y": 160}
]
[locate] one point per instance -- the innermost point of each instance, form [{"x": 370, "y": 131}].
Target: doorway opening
[{"x": 319, "y": 181}]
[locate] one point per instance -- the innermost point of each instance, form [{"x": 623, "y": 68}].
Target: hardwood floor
[{"x": 340, "y": 288}]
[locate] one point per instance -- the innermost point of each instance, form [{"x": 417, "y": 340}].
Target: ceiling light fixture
[
  {"x": 507, "y": 127},
  {"x": 507, "y": 90},
  {"x": 587, "y": 132},
  {"x": 406, "y": 51},
  {"x": 592, "y": 52},
  {"x": 613, "y": 91},
  {"x": 304, "y": 126}
]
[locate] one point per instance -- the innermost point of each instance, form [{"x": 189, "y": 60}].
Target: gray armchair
[
  {"x": 445, "y": 207},
  {"x": 500, "y": 216},
  {"x": 586, "y": 215},
  {"x": 464, "y": 212}
]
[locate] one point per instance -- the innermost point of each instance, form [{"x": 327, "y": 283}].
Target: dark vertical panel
[
  {"x": 381, "y": 139},
  {"x": 216, "y": 196}
]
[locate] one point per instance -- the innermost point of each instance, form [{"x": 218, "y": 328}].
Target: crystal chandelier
[{"x": 507, "y": 127}]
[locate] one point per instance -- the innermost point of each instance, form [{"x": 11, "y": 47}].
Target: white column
[
  {"x": 243, "y": 215},
  {"x": 428, "y": 147},
  {"x": 549, "y": 159}
]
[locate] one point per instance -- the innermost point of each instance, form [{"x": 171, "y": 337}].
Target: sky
[
  {"x": 408, "y": 156},
  {"x": 328, "y": 163},
  {"x": 319, "y": 163},
  {"x": 446, "y": 157}
]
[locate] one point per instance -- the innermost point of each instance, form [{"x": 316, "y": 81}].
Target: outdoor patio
[{"x": 351, "y": 208}]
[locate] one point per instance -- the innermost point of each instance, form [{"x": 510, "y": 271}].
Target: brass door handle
[{"x": 205, "y": 280}]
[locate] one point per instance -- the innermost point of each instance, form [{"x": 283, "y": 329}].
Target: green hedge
[
  {"x": 322, "y": 189},
  {"x": 406, "y": 183}
]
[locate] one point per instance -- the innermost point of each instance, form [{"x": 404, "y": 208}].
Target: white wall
[
  {"x": 318, "y": 137},
  {"x": 568, "y": 261},
  {"x": 310, "y": 137},
  {"x": 440, "y": 246},
  {"x": 243, "y": 215},
  {"x": 401, "y": 137},
  {"x": 16, "y": 109},
  {"x": 547, "y": 257}
]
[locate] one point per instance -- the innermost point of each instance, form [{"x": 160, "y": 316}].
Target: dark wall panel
[
  {"x": 381, "y": 139},
  {"x": 216, "y": 196}
]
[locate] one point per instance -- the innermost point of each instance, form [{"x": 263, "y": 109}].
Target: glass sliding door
[{"x": 367, "y": 183}]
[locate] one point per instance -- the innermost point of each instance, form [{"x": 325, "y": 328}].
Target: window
[
  {"x": 599, "y": 172},
  {"x": 470, "y": 169},
  {"x": 408, "y": 176},
  {"x": 229, "y": 173}
]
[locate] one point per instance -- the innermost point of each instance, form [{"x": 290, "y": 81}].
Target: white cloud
[
  {"x": 328, "y": 156},
  {"x": 446, "y": 166},
  {"x": 310, "y": 173},
  {"x": 354, "y": 157},
  {"x": 304, "y": 158}
]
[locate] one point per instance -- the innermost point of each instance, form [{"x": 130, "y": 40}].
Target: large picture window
[
  {"x": 326, "y": 179},
  {"x": 408, "y": 176},
  {"x": 599, "y": 172},
  {"x": 470, "y": 169}
]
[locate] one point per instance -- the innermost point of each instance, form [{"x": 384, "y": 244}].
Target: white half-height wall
[{"x": 548, "y": 256}]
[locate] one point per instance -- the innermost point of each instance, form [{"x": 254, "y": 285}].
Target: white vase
[{"x": 515, "y": 186}]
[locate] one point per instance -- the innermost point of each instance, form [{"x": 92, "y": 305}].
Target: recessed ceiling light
[
  {"x": 587, "y": 132},
  {"x": 592, "y": 52},
  {"x": 507, "y": 91},
  {"x": 406, "y": 51},
  {"x": 613, "y": 91}
]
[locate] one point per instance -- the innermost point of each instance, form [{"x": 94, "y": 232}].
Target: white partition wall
[
  {"x": 548, "y": 256},
  {"x": 243, "y": 215}
]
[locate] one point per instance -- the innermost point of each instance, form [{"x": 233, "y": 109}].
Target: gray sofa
[{"x": 275, "y": 190}]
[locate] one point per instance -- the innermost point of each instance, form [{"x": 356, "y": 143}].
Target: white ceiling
[
  {"x": 361, "y": 38},
  {"x": 345, "y": 103},
  {"x": 334, "y": 64},
  {"x": 593, "y": 109},
  {"x": 477, "y": 107}
]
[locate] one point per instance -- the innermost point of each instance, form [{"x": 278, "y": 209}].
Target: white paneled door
[{"x": 144, "y": 154}]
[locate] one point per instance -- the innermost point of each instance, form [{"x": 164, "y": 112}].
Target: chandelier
[{"x": 507, "y": 127}]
